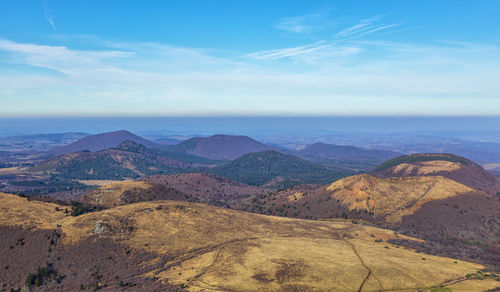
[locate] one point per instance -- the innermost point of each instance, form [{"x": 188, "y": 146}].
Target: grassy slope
[
  {"x": 420, "y": 158},
  {"x": 393, "y": 197},
  {"x": 210, "y": 250}
]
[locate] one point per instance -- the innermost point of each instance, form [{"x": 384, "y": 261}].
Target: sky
[{"x": 247, "y": 58}]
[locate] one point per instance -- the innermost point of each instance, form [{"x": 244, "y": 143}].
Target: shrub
[{"x": 43, "y": 273}]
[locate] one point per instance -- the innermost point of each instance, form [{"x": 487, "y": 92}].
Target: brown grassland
[{"x": 204, "y": 248}]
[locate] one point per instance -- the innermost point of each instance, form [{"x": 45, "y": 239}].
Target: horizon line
[{"x": 249, "y": 116}]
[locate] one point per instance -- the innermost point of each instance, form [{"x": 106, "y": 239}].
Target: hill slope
[
  {"x": 219, "y": 147},
  {"x": 207, "y": 188},
  {"x": 128, "y": 160},
  {"x": 279, "y": 169},
  {"x": 166, "y": 245},
  {"x": 448, "y": 165},
  {"x": 128, "y": 192},
  {"x": 460, "y": 221},
  {"x": 100, "y": 142},
  {"x": 346, "y": 156}
]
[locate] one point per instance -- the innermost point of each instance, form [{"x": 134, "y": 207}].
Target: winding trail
[{"x": 353, "y": 247}]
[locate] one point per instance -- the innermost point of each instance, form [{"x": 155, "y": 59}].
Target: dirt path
[
  {"x": 353, "y": 247},
  {"x": 444, "y": 284}
]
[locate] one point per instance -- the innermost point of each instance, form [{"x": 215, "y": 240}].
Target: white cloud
[
  {"x": 364, "y": 27},
  {"x": 58, "y": 58},
  {"x": 48, "y": 16},
  {"x": 287, "y": 52},
  {"x": 304, "y": 24},
  {"x": 319, "y": 78}
]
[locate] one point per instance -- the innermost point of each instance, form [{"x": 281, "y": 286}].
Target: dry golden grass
[
  {"x": 11, "y": 170},
  {"x": 427, "y": 167},
  {"x": 219, "y": 249},
  {"x": 18, "y": 211},
  {"x": 295, "y": 196},
  {"x": 393, "y": 197},
  {"x": 97, "y": 182},
  {"x": 110, "y": 194},
  {"x": 214, "y": 249},
  {"x": 474, "y": 285}
]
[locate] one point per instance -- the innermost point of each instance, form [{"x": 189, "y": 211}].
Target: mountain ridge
[
  {"x": 219, "y": 147},
  {"x": 99, "y": 142},
  {"x": 262, "y": 167}
]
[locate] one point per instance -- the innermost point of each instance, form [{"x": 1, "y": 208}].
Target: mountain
[
  {"x": 127, "y": 160},
  {"x": 434, "y": 208},
  {"x": 168, "y": 141},
  {"x": 94, "y": 143},
  {"x": 207, "y": 188},
  {"x": 345, "y": 156},
  {"x": 393, "y": 198},
  {"x": 286, "y": 170},
  {"x": 457, "y": 220},
  {"x": 128, "y": 192},
  {"x": 329, "y": 151},
  {"x": 451, "y": 166},
  {"x": 387, "y": 198},
  {"x": 172, "y": 246},
  {"x": 219, "y": 147}
]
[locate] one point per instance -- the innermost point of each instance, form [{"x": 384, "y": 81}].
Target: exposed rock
[{"x": 100, "y": 227}]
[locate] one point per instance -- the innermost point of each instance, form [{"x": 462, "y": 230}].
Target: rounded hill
[
  {"x": 128, "y": 192},
  {"x": 451, "y": 166}
]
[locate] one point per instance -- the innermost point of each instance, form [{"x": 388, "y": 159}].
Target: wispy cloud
[
  {"x": 326, "y": 49},
  {"x": 304, "y": 24},
  {"x": 364, "y": 27},
  {"x": 48, "y": 16},
  {"x": 335, "y": 77},
  {"x": 287, "y": 52},
  {"x": 57, "y": 58},
  {"x": 309, "y": 54}
]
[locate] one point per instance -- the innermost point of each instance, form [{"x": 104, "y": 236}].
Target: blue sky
[{"x": 177, "y": 58}]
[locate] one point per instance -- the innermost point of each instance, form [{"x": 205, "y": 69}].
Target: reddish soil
[
  {"x": 207, "y": 188},
  {"x": 302, "y": 201}
]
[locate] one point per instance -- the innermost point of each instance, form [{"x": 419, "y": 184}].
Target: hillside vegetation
[
  {"x": 127, "y": 192},
  {"x": 207, "y": 188},
  {"x": 165, "y": 244},
  {"x": 345, "y": 156},
  {"x": 458, "y": 220},
  {"x": 127, "y": 160},
  {"x": 286, "y": 170}
]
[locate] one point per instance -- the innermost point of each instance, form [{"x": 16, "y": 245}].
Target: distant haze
[{"x": 252, "y": 126}]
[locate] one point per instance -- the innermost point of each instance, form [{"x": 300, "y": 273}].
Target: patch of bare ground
[{"x": 451, "y": 166}]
